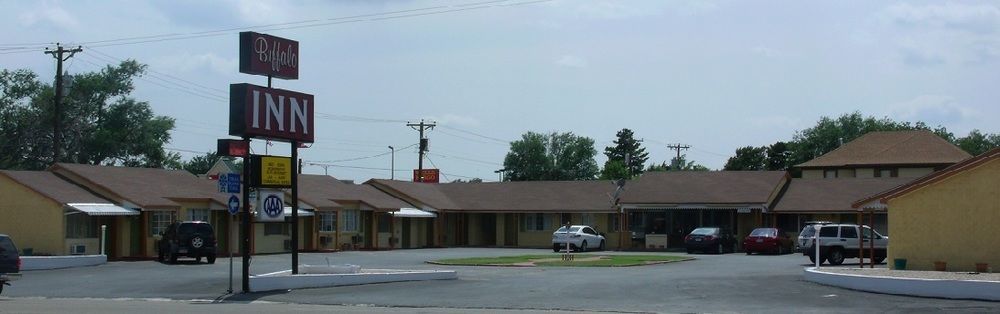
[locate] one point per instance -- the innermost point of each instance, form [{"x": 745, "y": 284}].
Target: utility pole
[
  {"x": 392, "y": 163},
  {"x": 678, "y": 147},
  {"x": 57, "y": 132},
  {"x": 420, "y": 127}
]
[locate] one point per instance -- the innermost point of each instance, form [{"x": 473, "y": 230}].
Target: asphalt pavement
[{"x": 710, "y": 283}]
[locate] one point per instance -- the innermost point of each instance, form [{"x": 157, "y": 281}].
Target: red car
[{"x": 771, "y": 240}]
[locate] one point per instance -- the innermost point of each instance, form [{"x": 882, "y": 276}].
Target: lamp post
[{"x": 392, "y": 165}]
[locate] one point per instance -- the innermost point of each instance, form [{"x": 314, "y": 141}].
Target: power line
[
  {"x": 467, "y": 159},
  {"x": 476, "y": 134}
]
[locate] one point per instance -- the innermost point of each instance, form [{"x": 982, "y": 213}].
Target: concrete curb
[
  {"x": 284, "y": 280},
  {"x": 934, "y": 288},
  {"x": 57, "y": 262}
]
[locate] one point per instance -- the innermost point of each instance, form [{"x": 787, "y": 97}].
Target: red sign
[
  {"x": 267, "y": 55},
  {"x": 268, "y": 113},
  {"x": 430, "y": 176},
  {"x": 233, "y": 148}
]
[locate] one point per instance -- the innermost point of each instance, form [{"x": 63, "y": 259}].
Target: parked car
[
  {"x": 10, "y": 262},
  {"x": 709, "y": 239},
  {"x": 188, "y": 238},
  {"x": 580, "y": 238},
  {"x": 840, "y": 241},
  {"x": 807, "y": 233},
  {"x": 771, "y": 240}
]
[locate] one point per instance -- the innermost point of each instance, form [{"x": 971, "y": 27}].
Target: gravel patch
[{"x": 882, "y": 272}]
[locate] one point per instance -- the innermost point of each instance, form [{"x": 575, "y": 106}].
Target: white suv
[
  {"x": 579, "y": 238},
  {"x": 840, "y": 241}
]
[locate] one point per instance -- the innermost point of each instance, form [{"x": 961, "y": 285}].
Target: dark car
[
  {"x": 709, "y": 239},
  {"x": 10, "y": 261},
  {"x": 771, "y": 240},
  {"x": 188, "y": 238}
]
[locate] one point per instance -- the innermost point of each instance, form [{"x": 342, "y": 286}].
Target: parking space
[{"x": 727, "y": 282}]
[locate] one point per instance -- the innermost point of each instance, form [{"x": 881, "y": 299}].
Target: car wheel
[
  {"x": 583, "y": 246},
  {"x": 197, "y": 259},
  {"x": 812, "y": 259},
  {"x": 836, "y": 257},
  {"x": 749, "y": 251},
  {"x": 879, "y": 259},
  {"x": 1, "y": 287},
  {"x": 211, "y": 259},
  {"x": 173, "y": 258},
  {"x": 556, "y": 248},
  {"x": 602, "y": 248},
  {"x": 718, "y": 249}
]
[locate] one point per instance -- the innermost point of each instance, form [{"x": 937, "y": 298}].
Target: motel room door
[{"x": 510, "y": 230}]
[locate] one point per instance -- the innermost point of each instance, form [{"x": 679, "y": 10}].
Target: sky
[{"x": 715, "y": 75}]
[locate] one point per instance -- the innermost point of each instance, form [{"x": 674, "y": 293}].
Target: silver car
[{"x": 580, "y": 238}]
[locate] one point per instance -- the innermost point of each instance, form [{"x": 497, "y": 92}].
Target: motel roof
[
  {"x": 53, "y": 187},
  {"x": 146, "y": 187},
  {"x": 703, "y": 187},
  {"x": 522, "y": 196},
  {"x": 966, "y": 165},
  {"x": 327, "y": 190},
  {"x": 920, "y": 147},
  {"x": 830, "y": 195}
]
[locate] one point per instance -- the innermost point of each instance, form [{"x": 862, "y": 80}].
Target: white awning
[
  {"x": 302, "y": 213},
  {"x": 94, "y": 209},
  {"x": 413, "y": 213}
]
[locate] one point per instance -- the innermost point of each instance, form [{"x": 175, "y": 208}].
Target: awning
[
  {"x": 94, "y": 209},
  {"x": 413, "y": 213},
  {"x": 302, "y": 213}
]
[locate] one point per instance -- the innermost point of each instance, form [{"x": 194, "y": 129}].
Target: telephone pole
[
  {"x": 57, "y": 132},
  {"x": 678, "y": 147},
  {"x": 420, "y": 127}
]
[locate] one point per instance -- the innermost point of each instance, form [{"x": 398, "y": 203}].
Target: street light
[{"x": 392, "y": 169}]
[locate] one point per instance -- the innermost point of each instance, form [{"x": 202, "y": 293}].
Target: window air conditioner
[{"x": 78, "y": 249}]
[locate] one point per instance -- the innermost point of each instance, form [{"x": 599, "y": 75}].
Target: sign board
[
  {"x": 229, "y": 182},
  {"x": 267, "y": 55},
  {"x": 269, "y": 113},
  {"x": 271, "y": 206},
  {"x": 743, "y": 210},
  {"x": 233, "y": 205},
  {"x": 271, "y": 171},
  {"x": 233, "y": 148},
  {"x": 430, "y": 176}
]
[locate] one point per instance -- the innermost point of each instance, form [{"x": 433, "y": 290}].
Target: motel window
[
  {"x": 384, "y": 222},
  {"x": 80, "y": 225},
  {"x": 327, "y": 221},
  {"x": 159, "y": 220},
  {"x": 350, "y": 221},
  {"x": 198, "y": 214},
  {"x": 276, "y": 228},
  {"x": 587, "y": 219},
  {"x": 537, "y": 222},
  {"x": 831, "y": 173},
  {"x": 886, "y": 173},
  {"x": 614, "y": 221}
]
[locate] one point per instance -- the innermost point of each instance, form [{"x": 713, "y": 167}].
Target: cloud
[
  {"x": 974, "y": 18},
  {"x": 932, "y": 109},
  {"x": 776, "y": 122},
  {"x": 455, "y": 119},
  {"x": 187, "y": 62},
  {"x": 572, "y": 61},
  {"x": 49, "y": 14},
  {"x": 765, "y": 51}
]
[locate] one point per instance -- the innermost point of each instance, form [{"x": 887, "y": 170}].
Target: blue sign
[
  {"x": 273, "y": 206},
  {"x": 234, "y": 204},
  {"x": 233, "y": 182}
]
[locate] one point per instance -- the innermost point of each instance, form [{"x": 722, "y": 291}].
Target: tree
[
  {"x": 977, "y": 143},
  {"x": 201, "y": 164},
  {"x": 554, "y": 156},
  {"x": 658, "y": 168},
  {"x": 613, "y": 170},
  {"x": 777, "y": 156},
  {"x": 681, "y": 164},
  {"x": 828, "y": 134},
  {"x": 748, "y": 158},
  {"x": 102, "y": 124},
  {"x": 628, "y": 152}
]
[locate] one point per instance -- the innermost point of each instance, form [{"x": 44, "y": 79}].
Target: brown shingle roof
[
  {"x": 703, "y": 187},
  {"x": 53, "y": 187},
  {"x": 147, "y": 187},
  {"x": 527, "y": 196},
  {"x": 965, "y": 165},
  {"x": 831, "y": 195},
  {"x": 328, "y": 189},
  {"x": 919, "y": 147}
]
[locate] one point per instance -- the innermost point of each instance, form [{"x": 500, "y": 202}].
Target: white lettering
[
  {"x": 276, "y": 111},
  {"x": 299, "y": 112},
  {"x": 256, "y": 109},
  {"x": 274, "y": 54}
]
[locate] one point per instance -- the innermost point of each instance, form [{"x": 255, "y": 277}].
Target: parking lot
[{"x": 711, "y": 283}]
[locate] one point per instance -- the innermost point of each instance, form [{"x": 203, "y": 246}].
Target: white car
[{"x": 579, "y": 237}]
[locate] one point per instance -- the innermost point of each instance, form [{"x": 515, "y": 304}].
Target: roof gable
[
  {"x": 831, "y": 195},
  {"x": 146, "y": 187},
  {"x": 329, "y": 190},
  {"x": 703, "y": 187},
  {"x": 521, "y": 196},
  {"x": 932, "y": 178},
  {"x": 53, "y": 187},
  {"x": 919, "y": 147}
]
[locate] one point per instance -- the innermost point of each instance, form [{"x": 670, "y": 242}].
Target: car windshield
[
  {"x": 196, "y": 228},
  {"x": 571, "y": 229},
  {"x": 704, "y": 231},
  {"x": 763, "y": 233},
  {"x": 7, "y": 245},
  {"x": 808, "y": 231}
]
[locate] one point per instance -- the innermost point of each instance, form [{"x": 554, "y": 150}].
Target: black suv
[
  {"x": 187, "y": 238},
  {"x": 10, "y": 261}
]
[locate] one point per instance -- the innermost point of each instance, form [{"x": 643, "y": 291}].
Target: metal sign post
[{"x": 234, "y": 208}]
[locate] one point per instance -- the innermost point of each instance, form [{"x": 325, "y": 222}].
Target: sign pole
[
  {"x": 295, "y": 208},
  {"x": 245, "y": 223}
]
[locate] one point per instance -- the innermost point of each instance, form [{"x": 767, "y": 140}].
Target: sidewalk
[{"x": 936, "y": 284}]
